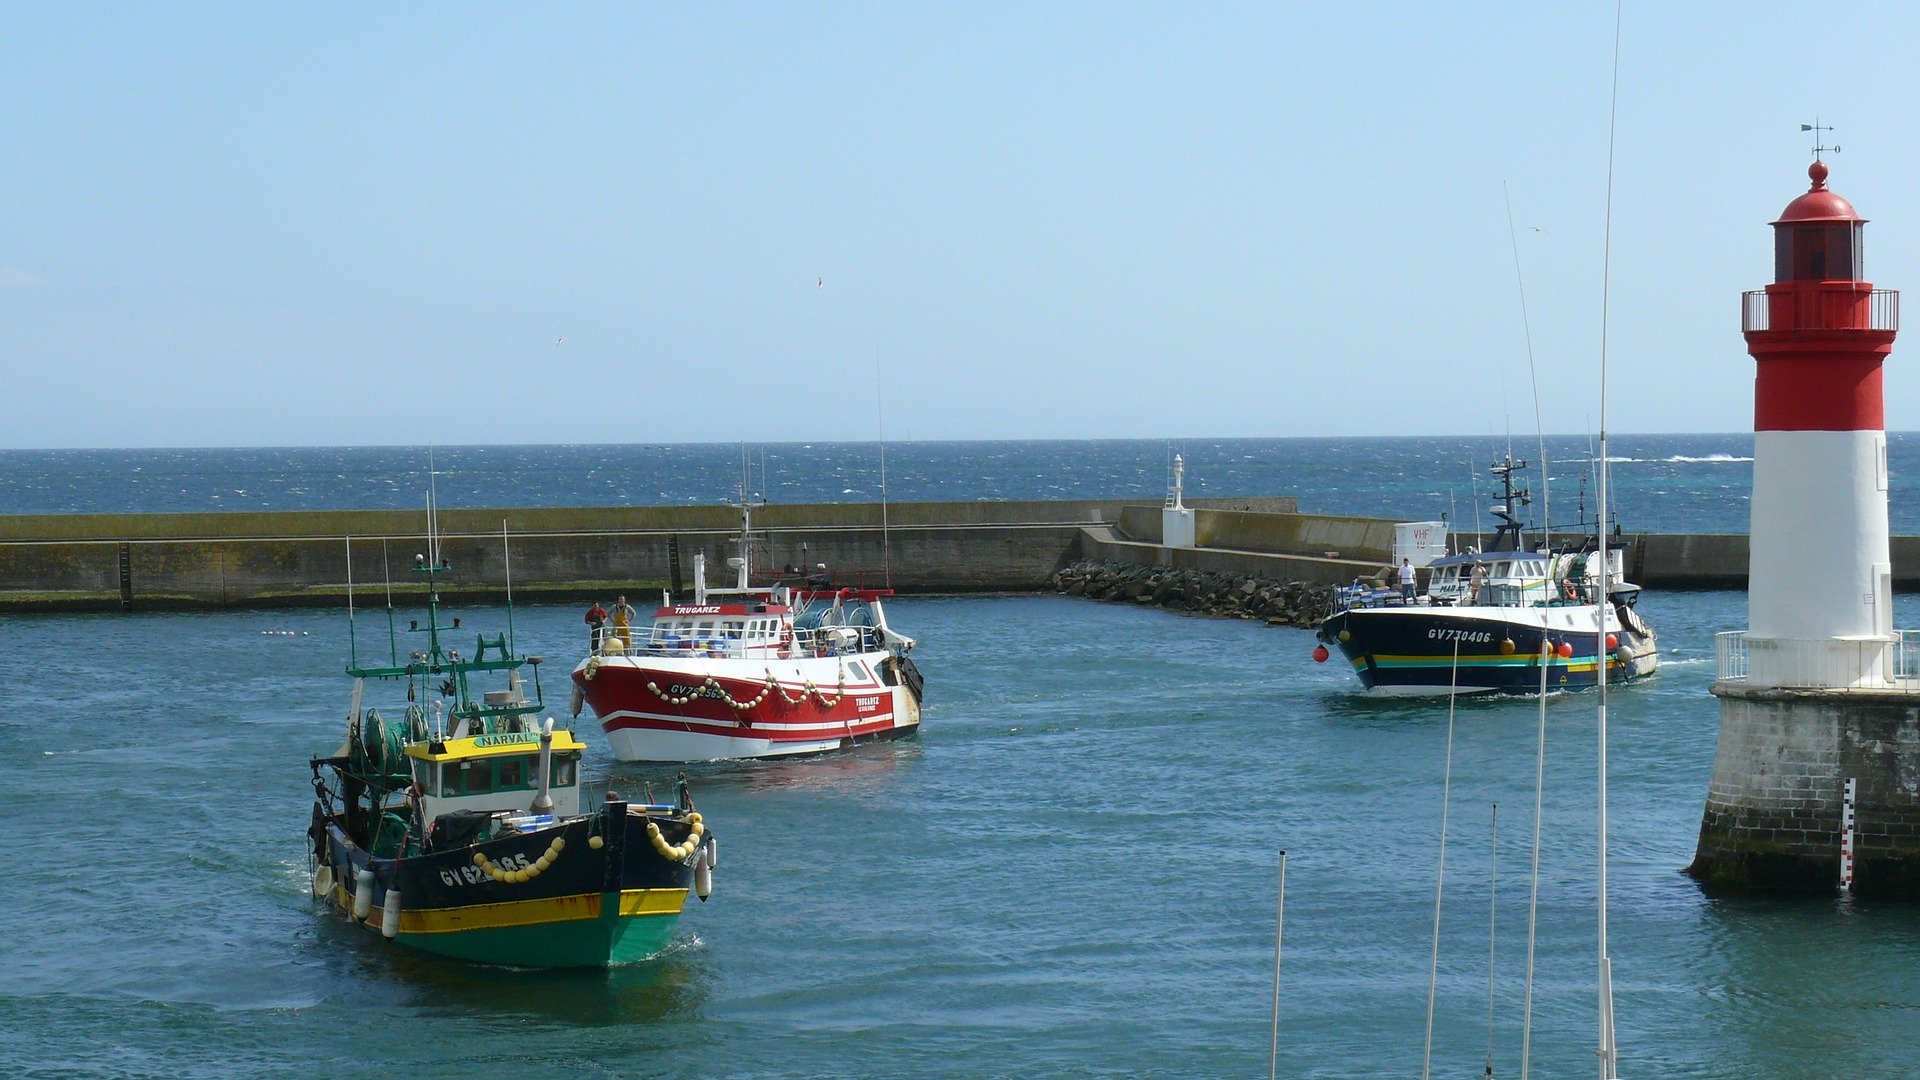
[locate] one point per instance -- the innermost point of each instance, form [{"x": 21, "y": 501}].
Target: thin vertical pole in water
[
  {"x": 1279, "y": 930},
  {"x": 1440, "y": 879},
  {"x": 1608, "y": 1052},
  {"x": 1533, "y": 888},
  {"x": 1493, "y": 925}
]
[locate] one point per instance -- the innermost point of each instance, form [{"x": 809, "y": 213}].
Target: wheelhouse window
[{"x": 510, "y": 773}]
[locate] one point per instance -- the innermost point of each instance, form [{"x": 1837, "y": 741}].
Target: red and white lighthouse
[
  {"x": 1819, "y": 715},
  {"x": 1820, "y": 578}
]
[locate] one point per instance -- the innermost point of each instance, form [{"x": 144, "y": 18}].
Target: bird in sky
[
  {"x": 1536, "y": 228},
  {"x": 558, "y": 341},
  {"x": 820, "y": 283}
]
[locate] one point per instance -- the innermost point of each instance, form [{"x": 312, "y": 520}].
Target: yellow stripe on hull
[
  {"x": 555, "y": 909},
  {"x": 1494, "y": 660}
]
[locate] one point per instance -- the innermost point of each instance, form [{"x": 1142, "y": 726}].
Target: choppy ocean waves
[{"x": 1658, "y": 483}]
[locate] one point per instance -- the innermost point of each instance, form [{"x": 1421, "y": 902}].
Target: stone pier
[{"x": 1772, "y": 819}]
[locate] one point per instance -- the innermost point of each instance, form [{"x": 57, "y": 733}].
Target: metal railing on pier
[{"x": 1867, "y": 665}]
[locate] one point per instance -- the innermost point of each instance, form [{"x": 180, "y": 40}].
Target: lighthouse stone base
[{"x": 1772, "y": 821}]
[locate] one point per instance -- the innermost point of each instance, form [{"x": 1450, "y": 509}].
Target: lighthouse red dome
[{"x": 1818, "y": 204}]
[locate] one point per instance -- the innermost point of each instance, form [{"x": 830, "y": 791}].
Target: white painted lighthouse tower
[{"x": 1820, "y": 579}]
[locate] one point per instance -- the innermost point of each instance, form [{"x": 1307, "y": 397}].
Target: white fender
[
  {"x": 702, "y": 879},
  {"x": 390, "y": 914},
  {"x": 362, "y": 894},
  {"x": 713, "y": 853},
  {"x": 578, "y": 701}
]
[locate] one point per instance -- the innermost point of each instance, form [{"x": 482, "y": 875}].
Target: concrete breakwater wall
[
  {"x": 95, "y": 562},
  {"x": 109, "y": 562},
  {"x": 116, "y": 561},
  {"x": 1201, "y": 592}
]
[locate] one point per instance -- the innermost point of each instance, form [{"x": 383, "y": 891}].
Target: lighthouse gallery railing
[
  {"x": 1732, "y": 662},
  {"x": 1819, "y": 309}
]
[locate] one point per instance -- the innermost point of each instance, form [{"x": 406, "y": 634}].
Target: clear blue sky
[{"x": 248, "y": 225}]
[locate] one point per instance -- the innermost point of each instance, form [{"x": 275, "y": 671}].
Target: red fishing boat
[{"x": 751, "y": 672}]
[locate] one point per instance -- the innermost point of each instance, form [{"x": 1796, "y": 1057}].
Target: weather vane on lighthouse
[{"x": 1818, "y": 128}]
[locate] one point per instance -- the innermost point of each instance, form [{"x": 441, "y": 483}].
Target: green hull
[{"x": 598, "y": 942}]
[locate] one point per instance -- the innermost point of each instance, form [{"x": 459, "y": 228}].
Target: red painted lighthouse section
[
  {"x": 1819, "y": 393},
  {"x": 1818, "y": 333}
]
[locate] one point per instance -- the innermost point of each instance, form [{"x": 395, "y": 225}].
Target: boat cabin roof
[{"x": 482, "y": 746}]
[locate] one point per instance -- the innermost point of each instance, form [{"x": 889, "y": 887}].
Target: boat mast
[
  {"x": 1509, "y": 526},
  {"x": 1533, "y": 376},
  {"x": 743, "y": 577}
]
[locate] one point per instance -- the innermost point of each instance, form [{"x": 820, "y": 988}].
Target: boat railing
[
  {"x": 1873, "y": 664},
  {"x": 731, "y": 644},
  {"x": 1492, "y": 594}
]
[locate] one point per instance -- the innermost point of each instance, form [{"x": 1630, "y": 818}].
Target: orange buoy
[
  {"x": 1565, "y": 650},
  {"x": 1612, "y": 642},
  {"x": 1320, "y": 654},
  {"x": 1506, "y": 646}
]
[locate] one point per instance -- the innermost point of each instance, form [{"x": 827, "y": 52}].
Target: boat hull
[
  {"x": 1410, "y": 652},
  {"x": 665, "y": 710},
  {"x": 589, "y": 907}
]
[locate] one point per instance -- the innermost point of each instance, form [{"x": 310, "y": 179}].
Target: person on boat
[
  {"x": 596, "y": 621},
  {"x": 1475, "y": 580},
  {"x": 1406, "y": 580},
  {"x": 623, "y": 617}
]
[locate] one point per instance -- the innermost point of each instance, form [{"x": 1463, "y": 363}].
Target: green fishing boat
[{"x": 457, "y": 828}]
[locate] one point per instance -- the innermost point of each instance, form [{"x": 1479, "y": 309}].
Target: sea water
[
  {"x": 1070, "y": 871},
  {"x": 1659, "y": 483}
]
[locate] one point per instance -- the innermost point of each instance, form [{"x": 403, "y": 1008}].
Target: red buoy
[
  {"x": 1565, "y": 650},
  {"x": 1320, "y": 654},
  {"x": 1612, "y": 642}
]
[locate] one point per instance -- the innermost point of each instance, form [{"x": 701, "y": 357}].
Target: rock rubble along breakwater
[{"x": 1199, "y": 592}]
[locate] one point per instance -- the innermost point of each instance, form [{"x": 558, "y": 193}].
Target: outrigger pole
[
  {"x": 353, "y": 651},
  {"x": 393, "y": 640},
  {"x": 506, "y": 553}
]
